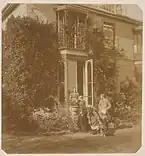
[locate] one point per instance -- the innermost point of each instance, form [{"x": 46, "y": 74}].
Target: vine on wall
[{"x": 104, "y": 64}]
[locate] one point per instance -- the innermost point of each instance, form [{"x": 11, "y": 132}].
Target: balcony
[
  {"x": 72, "y": 38},
  {"x": 71, "y": 29},
  {"x": 72, "y": 32}
]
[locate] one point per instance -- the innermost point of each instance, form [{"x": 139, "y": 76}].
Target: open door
[{"x": 89, "y": 82}]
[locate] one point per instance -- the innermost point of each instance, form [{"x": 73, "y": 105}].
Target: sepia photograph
[{"x": 71, "y": 78}]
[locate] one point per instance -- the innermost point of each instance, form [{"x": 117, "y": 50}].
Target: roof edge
[
  {"x": 11, "y": 6},
  {"x": 8, "y": 9},
  {"x": 119, "y": 17}
]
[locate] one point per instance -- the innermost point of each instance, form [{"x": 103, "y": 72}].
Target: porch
[{"x": 77, "y": 73}]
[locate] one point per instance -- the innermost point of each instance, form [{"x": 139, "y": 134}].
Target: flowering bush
[
  {"x": 122, "y": 110},
  {"x": 49, "y": 121},
  {"x": 128, "y": 103}
]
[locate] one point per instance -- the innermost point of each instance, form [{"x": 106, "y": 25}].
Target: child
[{"x": 110, "y": 128}]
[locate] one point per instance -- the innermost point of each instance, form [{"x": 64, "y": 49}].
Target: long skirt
[
  {"x": 74, "y": 116},
  {"x": 83, "y": 123},
  {"x": 94, "y": 121}
]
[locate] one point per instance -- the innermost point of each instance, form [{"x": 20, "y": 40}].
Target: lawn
[{"x": 126, "y": 140}]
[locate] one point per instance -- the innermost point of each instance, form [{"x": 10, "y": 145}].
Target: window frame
[
  {"x": 112, "y": 26},
  {"x": 137, "y": 45}
]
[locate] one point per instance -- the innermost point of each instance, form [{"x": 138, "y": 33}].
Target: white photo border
[{"x": 141, "y": 4}]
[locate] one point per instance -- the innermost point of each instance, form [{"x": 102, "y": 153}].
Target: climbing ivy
[
  {"x": 30, "y": 61},
  {"x": 104, "y": 62}
]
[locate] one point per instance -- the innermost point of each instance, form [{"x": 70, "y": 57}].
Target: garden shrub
[
  {"x": 129, "y": 103},
  {"x": 50, "y": 121},
  {"x": 29, "y": 68}
]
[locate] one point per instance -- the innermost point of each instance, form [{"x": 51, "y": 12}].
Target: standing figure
[
  {"x": 74, "y": 108},
  {"x": 83, "y": 120},
  {"x": 103, "y": 107},
  {"x": 74, "y": 97}
]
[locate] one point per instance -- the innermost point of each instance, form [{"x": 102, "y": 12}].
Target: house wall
[
  {"x": 139, "y": 68},
  {"x": 124, "y": 34},
  {"x": 124, "y": 40},
  {"x": 45, "y": 12},
  {"x": 125, "y": 68}
]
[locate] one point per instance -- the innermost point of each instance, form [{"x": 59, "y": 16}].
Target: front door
[
  {"x": 89, "y": 82},
  {"x": 80, "y": 78}
]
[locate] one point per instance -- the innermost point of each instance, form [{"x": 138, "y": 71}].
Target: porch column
[
  {"x": 66, "y": 78},
  {"x": 117, "y": 78}
]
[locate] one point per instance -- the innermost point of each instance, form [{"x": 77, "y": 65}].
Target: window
[
  {"x": 137, "y": 43},
  {"x": 109, "y": 34},
  {"x": 119, "y": 9},
  {"x": 113, "y": 8}
]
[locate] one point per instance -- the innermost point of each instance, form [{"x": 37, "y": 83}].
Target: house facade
[{"x": 122, "y": 33}]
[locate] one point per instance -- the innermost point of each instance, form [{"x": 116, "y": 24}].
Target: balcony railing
[{"x": 72, "y": 38}]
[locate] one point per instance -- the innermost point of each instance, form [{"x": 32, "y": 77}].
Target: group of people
[{"x": 97, "y": 119}]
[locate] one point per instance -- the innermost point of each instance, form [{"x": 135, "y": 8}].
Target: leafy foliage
[
  {"x": 104, "y": 65},
  {"x": 128, "y": 102},
  {"x": 30, "y": 63},
  {"x": 29, "y": 73}
]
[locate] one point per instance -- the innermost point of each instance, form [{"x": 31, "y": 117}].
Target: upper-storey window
[
  {"x": 109, "y": 34},
  {"x": 119, "y": 10},
  {"x": 137, "y": 35},
  {"x": 137, "y": 43},
  {"x": 113, "y": 8}
]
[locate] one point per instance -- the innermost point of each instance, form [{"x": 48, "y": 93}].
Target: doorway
[
  {"x": 89, "y": 91},
  {"x": 85, "y": 80},
  {"x": 80, "y": 77}
]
